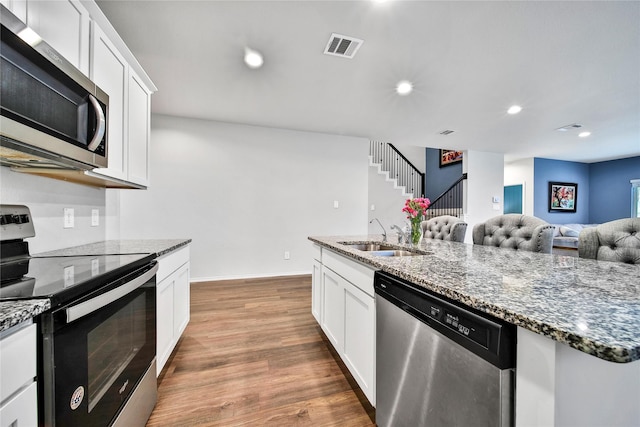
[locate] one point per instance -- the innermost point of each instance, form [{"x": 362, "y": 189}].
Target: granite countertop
[
  {"x": 14, "y": 312},
  {"x": 158, "y": 247},
  {"x": 592, "y": 306}
]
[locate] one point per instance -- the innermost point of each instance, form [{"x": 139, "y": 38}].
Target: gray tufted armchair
[
  {"x": 445, "y": 227},
  {"x": 516, "y": 231},
  {"x": 617, "y": 240}
]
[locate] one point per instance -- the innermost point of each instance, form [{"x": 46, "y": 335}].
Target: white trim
[{"x": 249, "y": 276}]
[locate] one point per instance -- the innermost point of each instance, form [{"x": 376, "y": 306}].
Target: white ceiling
[{"x": 563, "y": 61}]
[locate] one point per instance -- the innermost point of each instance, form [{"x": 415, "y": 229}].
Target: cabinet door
[
  {"x": 164, "y": 321},
  {"x": 333, "y": 308},
  {"x": 109, "y": 71},
  {"x": 138, "y": 130},
  {"x": 359, "y": 338},
  {"x": 17, "y": 360},
  {"x": 21, "y": 409},
  {"x": 182, "y": 300},
  {"x": 316, "y": 291},
  {"x": 64, "y": 25}
]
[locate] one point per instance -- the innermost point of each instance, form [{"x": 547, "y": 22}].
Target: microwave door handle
[
  {"x": 102, "y": 124},
  {"x": 80, "y": 310}
]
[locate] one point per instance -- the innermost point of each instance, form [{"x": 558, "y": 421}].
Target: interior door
[{"x": 513, "y": 199}]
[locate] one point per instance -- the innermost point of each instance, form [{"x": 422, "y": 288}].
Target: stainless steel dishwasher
[{"x": 439, "y": 363}]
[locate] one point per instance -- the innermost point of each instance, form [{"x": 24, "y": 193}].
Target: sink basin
[
  {"x": 396, "y": 252},
  {"x": 372, "y": 247},
  {"x": 381, "y": 249}
]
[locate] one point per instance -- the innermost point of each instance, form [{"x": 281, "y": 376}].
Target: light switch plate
[
  {"x": 95, "y": 217},
  {"x": 69, "y": 220}
]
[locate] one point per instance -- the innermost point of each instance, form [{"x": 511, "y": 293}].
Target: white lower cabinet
[
  {"x": 172, "y": 303},
  {"x": 348, "y": 316},
  {"x": 18, "y": 392}
]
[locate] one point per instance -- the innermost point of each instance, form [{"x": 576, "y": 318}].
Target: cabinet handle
[{"x": 102, "y": 124}]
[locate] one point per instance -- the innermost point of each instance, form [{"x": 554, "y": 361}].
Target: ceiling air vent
[
  {"x": 446, "y": 132},
  {"x": 343, "y": 46}
]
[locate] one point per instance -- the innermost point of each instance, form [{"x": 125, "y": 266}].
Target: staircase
[
  {"x": 450, "y": 202},
  {"x": 396, "y": 169}
]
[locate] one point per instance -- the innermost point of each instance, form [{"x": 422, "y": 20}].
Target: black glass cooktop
[{"x": 61, "y": 279}]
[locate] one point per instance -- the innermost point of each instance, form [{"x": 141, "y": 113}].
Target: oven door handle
[{"x": 80, "y": 310}]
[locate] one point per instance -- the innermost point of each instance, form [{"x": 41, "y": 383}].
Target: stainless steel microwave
[{"x": 51, "y": 115}]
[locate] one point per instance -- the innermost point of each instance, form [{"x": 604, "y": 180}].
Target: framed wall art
[
  {"x": 563, "y": 197},
  {"x": 449, "y": 157}
]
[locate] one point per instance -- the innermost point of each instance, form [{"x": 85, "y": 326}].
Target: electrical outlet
[
  {"x": 373, "y": 207},
  {"x": 336, "y": 204},
  {"x": 68, "y": 276},
  {"x": 95, "y": 217},
  {"x": 287, "y": 255},
  {"x": 69, "y": 221}
]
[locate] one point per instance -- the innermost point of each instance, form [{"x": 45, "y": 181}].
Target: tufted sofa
[
  {"x": 445, "y": 227},
  {"x": 617, "y": 240},
  {"x": 515, "y": 231}
]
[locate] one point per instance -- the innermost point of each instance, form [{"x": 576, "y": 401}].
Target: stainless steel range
[{"x": 97, "y": 343}]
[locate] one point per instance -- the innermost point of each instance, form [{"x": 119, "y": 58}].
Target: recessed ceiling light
[
  {"x": 404, "y": 87},
  {"x": 253, "y": 58},
  {"x": 514, "y": 109},
  {"x": 584, "y": 134}
]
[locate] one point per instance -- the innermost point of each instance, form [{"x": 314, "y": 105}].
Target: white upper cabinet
[
  {"x": 138, "y": 130},
  {"x": 109, "y": 70},
  {"x": 64, "y": 25}
]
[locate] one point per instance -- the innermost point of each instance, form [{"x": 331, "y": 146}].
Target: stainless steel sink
[
  {"x": 371, "y": 247},
  {"x": 381, "y": 249},
  {"x": 394, "y": 253}
]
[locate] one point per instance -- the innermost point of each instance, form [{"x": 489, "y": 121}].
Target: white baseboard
[{"x": 249, "y": 276}]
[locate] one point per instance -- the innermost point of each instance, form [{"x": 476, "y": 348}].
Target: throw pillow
[{"x": 568, "y": 232}]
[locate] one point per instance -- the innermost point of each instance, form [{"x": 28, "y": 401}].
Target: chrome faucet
[
  {"x": 384, "y": 232},
  {"x": 403, "y": 236}
]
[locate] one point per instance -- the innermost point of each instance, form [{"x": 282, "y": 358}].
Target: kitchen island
[{"x": 578, "y": 336}]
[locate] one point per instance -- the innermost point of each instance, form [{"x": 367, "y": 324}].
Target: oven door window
[{"x": 100, "y": 358}]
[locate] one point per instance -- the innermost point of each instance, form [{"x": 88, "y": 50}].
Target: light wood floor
[{"x": 253, "y": 355}]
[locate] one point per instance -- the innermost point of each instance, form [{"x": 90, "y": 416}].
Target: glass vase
[{"x": 416, "y": 232}]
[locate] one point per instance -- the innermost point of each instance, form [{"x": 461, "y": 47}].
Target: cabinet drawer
[
  {"x": 358, "y": 274},
  {"x": 17, "y": 360},
  {"x": 22, "y": 409},
  {"x": 171, "y": 262}
]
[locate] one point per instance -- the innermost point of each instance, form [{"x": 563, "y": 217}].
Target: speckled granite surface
[
  {"x": 14, "y": 312},
  {"x": 593, "y": 306},
  {"x": 158, "y": 247}
]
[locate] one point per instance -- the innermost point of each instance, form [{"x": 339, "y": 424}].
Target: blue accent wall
[
  {"x": 437, "y": 179},
  {"x": 610, "y": 188},
  {"x": 604, "y": 191},
  {"x": 545, "y": 171}
]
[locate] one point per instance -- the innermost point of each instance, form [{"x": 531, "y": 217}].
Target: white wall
[
  {"x": 485, "y": 180},
  {"x": 521, "y": 173},
  {"x": 388, "y": 202},
  {"x": 46, "y": 199},
  {"x": 245, "y": 194}
]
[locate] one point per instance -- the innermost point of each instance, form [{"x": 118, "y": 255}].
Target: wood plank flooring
[{"x": 253, "y": 355}]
